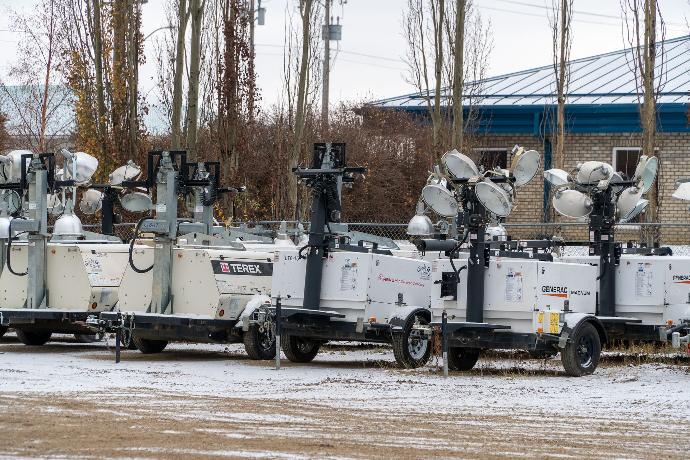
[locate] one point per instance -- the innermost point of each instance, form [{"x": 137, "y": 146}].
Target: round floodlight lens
[
  {"x": 646, "y": 172},
  {"x": 459, "y": 166},
  {"x": 525, "y": 166},
  {"x": 136, "y": 202},
  {"x": 440, "y": 199},
  {"x": 572, "y": 203},
  {"x": 556, "y": 177},
  {"x": 494, "y": 198}
]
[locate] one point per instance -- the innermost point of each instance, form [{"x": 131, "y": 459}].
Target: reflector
[
  {"x": 437, "y": 196},
  {"x": 646, "y": 171},
  {"x": 682, "y": 192},
  {"x": 91, "y": 201},
  {"x": 86, "y": 165},
  {"x": 459, "y": 166},
  {"x": 420, "y": 224},
  {"x": 556, "y": 176},
  {"x": 591, "y": 172},
  {"x": 494, "y": 198},
  {"x": 639, "y": 207},
  {"x": 11, "y": 201},
  {"x": 136, "y": 202},
  {"x": 627, "y": 201},
  {"x": 571, "y": 203},
  {"x": 13, "y": 171},
  {"x": 525, "y": 166},
  {"x": 130, "y": 171}
]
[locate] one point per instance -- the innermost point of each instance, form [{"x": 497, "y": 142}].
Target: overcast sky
[{"x": 369, "y": 64}]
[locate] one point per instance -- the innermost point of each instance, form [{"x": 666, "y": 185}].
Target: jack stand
[
  {"x": 118, "y": 338},
  {"x": 278, "y": 331},
  {"x": 444, "y": 341}
]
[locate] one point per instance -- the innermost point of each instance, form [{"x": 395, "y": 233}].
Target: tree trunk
[
  {"x": 177, "y": 78},
  {"x": 119, "y": 78},
  {"x": 97, "y": 40},
  {"x": 649, "y": 104},
  {"x": 559, "y": 154},
  {"x": 438, "y": 69},
  {"x": 300, "y": 112},
  {"x": 458, "y": 73},
  {"x": 133, "y": 85},
  {"x": 197, "y": 13},
  {"x": 326, "y": 67}
]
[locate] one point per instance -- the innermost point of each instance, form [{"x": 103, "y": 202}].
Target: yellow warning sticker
[{"x": 553, "y": 322}]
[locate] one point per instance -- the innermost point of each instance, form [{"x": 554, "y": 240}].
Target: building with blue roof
[{"x": 602, "y": 119}]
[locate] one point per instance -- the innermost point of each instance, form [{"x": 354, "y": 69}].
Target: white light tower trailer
[
  {"x": 52, "y": 285},
  {"x": 499, "y": 295},
  {"x": 195, "y": 286},
  {"x": 332, "y": 289}
]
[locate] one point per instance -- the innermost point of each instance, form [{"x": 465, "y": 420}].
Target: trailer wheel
[
  {"x": 3, "y": 329},
  {"x": 33, "y": 338},
  {"x": 462, "y": 359},
  {"x": 258, "y": 344},
  {"x": 581, "y": 354},
  {"x": 149, "y": 346},
  {"x": 299, "y": 349},
  {"x": 410, "y": 348}
]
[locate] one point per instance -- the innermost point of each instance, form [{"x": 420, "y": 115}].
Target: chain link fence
[{"x": 667, "y": 233}]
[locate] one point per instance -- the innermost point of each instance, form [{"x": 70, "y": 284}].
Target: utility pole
[{"x": 326, "y": 65}]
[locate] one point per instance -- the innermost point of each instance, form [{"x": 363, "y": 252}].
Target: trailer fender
[
  {"x": 402, "y": 314},
  {"x": 572, "y": 321},
  {"x": 254, "y": 303}
]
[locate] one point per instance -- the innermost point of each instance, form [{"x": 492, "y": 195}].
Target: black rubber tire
[
  {"x": 149, "y": 346},
  {"x": 88, "y": 338},
  {"x": 3, "y": 330},
  {"x": 581, "y": 354},
  {"x": 299, "y": 349},
  {"x": 33, "y": 338},
  {"x": 462, "y": 359},
  {"x": 256, "y": 344},
  {"x": 403, "y": 344}
]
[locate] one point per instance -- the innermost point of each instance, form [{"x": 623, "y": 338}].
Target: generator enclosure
[
  {"x": 653, "y": 289},
  {"x": 363, "y": 286},
  {"x": 527, "y": 295},
  {"x": 213, "y": 283},
  {"x": 79, "y": 277}
]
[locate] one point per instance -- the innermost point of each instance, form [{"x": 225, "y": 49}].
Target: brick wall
[{"x": 674, "y": 155}]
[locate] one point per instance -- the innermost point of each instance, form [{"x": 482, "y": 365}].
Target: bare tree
[
  {"x": 183, "y": 18},
  {"x": 644, "y": 31},
  {"x": 560, "y": 20},
  {"x": 38, "y": 105},
  {"x": 196, "y": 8},
  {"x": 458, "y": 72}
]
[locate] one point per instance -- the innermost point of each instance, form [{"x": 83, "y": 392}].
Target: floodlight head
[
  {"x": 91, "y": 201},
  {"x": 556, "y": 177},
  {"x": 437, "y": 196},
  {"x": 10, "y": 202},
  {"x": 646, "y": 172},
  {"x": 55, "y": 205},
  {"x": 136, "y": 202},
  {"x": 130, "y": 171},
  {"x": 525, "y": 166},
  {"x": 639, "y": 208},
  {"x": 458, "y": 165},
  {"x": 572, "y": 203},
  {"x": 13, "y": 168},
  {"x": 84, "y": 164},
  {"x": 627, "y": 202},
  {"x": 494, "y": 198},
  {"x": 496, "y": 233},
  {"x": 420, "y": 224},
  {"x": 682, "y": 192},
  {"x": 68, "y": 224},
  {"x": 591, "y": 172}
]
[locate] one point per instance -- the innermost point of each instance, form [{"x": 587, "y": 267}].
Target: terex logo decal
[
  {"x": 681, "y": 279},
  {"x": 222, "y": 267},
  {"x": 555, "y": 291}
]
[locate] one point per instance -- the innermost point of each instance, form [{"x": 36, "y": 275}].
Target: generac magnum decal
[
  {"x": 555, "y": 291},
  {"x": 562, "y": 292},
  {"x": 681, "y": 279},
  {"x": 233, "y": 267}
]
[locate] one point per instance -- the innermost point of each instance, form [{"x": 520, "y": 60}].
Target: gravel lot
[{"x": 71, "y": 400}]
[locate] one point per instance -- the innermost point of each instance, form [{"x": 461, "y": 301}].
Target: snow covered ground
[{"x": 350, "y": 402}]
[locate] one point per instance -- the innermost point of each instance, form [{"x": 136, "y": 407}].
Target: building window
[
  {"x": 492, "y": 158},
  {"x": 625, "y": 160}
]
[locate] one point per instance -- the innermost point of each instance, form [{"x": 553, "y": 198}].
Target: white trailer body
[
  {"x": 365, "y": 287},
  {"x": 652, "y": 289},
  {"x": 79, "y": 277},
  {"x": 527, "y": 295}
]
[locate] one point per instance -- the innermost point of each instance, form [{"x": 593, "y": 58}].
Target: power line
[{"x": 584, "y": 13}]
